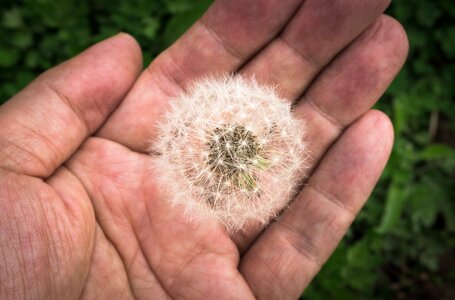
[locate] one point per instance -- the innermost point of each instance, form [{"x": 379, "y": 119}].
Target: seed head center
[{"x": 232, "y": 151}]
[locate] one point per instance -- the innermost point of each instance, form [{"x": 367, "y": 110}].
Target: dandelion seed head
[{"x": 230, "y": 149}]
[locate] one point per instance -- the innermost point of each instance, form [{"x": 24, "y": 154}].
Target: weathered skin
[{"x": 80, "y": 214}]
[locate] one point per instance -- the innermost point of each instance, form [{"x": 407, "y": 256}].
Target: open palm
[{"x": 80, "y": 212}]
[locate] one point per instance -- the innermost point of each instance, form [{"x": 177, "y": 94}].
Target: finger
[
  {"x": 352, "y": 84},
  {"x": 226, "y": 36},
  {"x": 319, "y": 31},
  {"x": 345, "y": 90},
  {"x": 290, "y": 252},
  {"x": 44, "y": 124}
]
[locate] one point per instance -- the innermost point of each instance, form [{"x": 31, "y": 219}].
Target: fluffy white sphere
[{"x": 230, "y": 149}]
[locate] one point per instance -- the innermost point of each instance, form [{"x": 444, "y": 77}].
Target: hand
[{"x": 80, "y": 214}]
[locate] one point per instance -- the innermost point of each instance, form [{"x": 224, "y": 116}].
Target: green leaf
[
  {"x": 448, "y": 6},
  {"x": 151, "y": 27},
  {"x": 448, "y": 210},
  {"x": 12, "y": 18},
  {"x": 448, "y": 42},
  {"x": 429, "y": 13},
  {"x": 437, "y": 151},
  {"x": 396, "y": 198},
  {"x": 22, "y": 40},
  {"x": 401, "y": 112},
  {"x": 8, "y": 57},
  {"x": 423, "y": 205},
  {"x": 178, "y": 6},
  {"x": 359, "y": 255}
]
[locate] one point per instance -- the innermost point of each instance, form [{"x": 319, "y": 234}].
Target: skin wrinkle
[
  {"x": 109, "y": 243},
  {"x": 149, "y": 263},
  {"x": 383, "y": 29},
  {"x": 16, "y": 167},
  {"x": 31, "y": 249},
  {"x": 42, "y": 138},
  {"x": 153, "y": 70},
  {"x": 149, "y": 218},
  {"x": 38, "y": 137},
  {"x": 272, "y": 281},
  {"x": 89, "y": 275},
  {"x": 329, "y": 17},
  {"x": 307, "y": 60},
  {"x": 26, "y": 281},
  {"x": 19, "y": 261},
  {"x": 68, "y": 237},
  {"x": 302, "y": 237},
  {"x": 66, "y": 204},
  {"x": 68, "y": 103},
  {"x": 175, "y": 277},
  {"x": 141, "y": 250},
  {"x": 224, "y": 44},
  {"x": 100, "y": 93},
  {"x": 332, "y": 198},
  {"x": 85, "y": 290},
  {"x": 273, "y": 14},
  {"x": 6, "y": 271},
  {"x": 61, "y": 262},
  {"x": 160, "y": 280},
  {"x": 52, "y": 269},
  {"x": 178, "y": 67},
  {"x": 333, "y": 121},
  {"x": 8, "y": 156},
  {"x": 51, "y": 242},
  {"x": 187, "y": 264},
  {"x": 69, "y": 208},
  {"x": 334, "y": 131},
  {"x": 299, "y": 241},
  {"x": 201, "y": 252},
  {"x": 293, "y": 15},
  {"x": 134, "y": 260},
  {"x": 271, "y": 43}
]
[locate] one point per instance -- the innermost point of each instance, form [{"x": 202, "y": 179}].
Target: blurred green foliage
[
  {"x": 38, "y": 34},
  {"x": 402, "y": 244}
]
